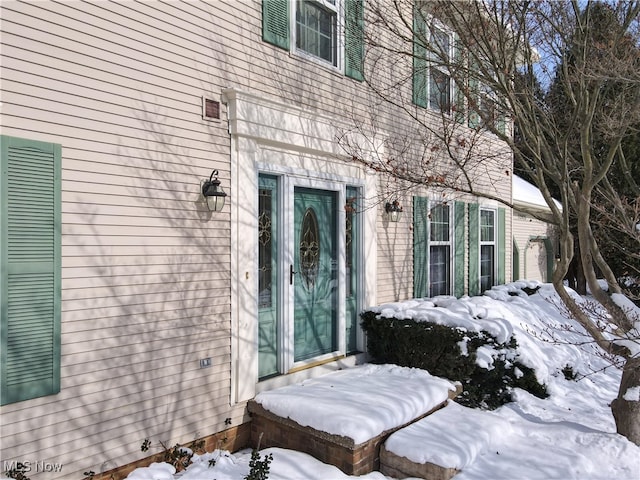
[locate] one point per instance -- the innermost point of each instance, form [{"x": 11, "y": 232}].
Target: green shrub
[{"x": 436, "y": 348}]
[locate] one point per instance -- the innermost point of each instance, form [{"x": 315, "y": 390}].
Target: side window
[
  {"x": 329, "y": 31},
  {"x": 30, "y": 270}
]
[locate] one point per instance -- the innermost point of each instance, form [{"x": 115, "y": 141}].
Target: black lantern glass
[
  {"x": 213, "y": 193},
  {"x": 394, "y": 210}
]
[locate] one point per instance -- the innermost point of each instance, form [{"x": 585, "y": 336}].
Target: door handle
[{"x": 291, "y": 274}]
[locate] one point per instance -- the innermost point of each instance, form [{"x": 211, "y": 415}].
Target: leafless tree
[{"x": 460, "y": 93}]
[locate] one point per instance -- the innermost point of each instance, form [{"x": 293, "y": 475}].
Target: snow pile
[
  {"x": 452, "y": 437},
  {"x": 501, "y": 442},
  {"x": 372, "y": 400},
  {"x": 632, "y": 339},
  {"x": 504, "y": 311},
  {"x": 569, "y": 435}
]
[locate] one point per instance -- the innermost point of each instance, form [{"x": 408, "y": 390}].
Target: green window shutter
[
  {"x": 30, "y": 269},
  {"x": 551, "y": 258},
  {"x": 419, "y": 59},
  {"x": 354, "y": 39},
  {"x": 459, "y": 83},
  {"x": 420, "y": 247},
  {"x": 474, "y": 249},
  {"x": 502, "y": 254},
  {"x": 501, "y": 123},
  {"x": 275, "y": 22},
  {"x": 474, "y": 96},
  {"x": 459, "y": 210},
  {"x": 515, "y": 261}
]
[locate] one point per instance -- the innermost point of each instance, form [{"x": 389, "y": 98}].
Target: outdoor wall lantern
[
  {"x": 213, "y": 193},
  {"x": 394, "y": 210}
]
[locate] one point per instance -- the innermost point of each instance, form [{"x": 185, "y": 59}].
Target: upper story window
[
  {"x": 439, "y": 78},
  {"x": 437, "y": 52},
  {"x": 327, "y": 31},
  {"x": 433, "y": 52},
  {"x": 485, "y": 111},
  {"x": 317, "y": 29}
]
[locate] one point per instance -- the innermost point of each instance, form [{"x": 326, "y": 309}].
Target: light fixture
[
  {"x": 394, "y": 210},
  {"x": 213, "y": 193}
]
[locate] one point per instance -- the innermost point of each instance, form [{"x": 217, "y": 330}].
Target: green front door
[{"x": 315, "y": 273}]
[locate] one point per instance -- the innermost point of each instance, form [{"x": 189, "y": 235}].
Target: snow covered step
[
  {"x": 433, "y": 449},
  {"x": 341, "y": 425}
]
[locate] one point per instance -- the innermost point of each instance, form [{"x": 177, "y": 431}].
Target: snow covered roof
[{"x": 528, "y": 196}]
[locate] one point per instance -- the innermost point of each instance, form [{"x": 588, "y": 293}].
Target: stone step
[
  {"x": 430, "y": 448},
  {"x": 353, "y": 457}
]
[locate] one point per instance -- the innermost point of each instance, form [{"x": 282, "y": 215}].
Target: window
[
  {"x": 485, "y": 101},
  {"x": 439, "y": 79},
  {"x": 30, "y": 270},
  {"x": 353, "y": 266},
  {"x": 327, "y": 31},
  {"x": 440, "y": 250},
  {"x": 268, "y": 288},
  {"x": 316, "y": 29},
  {"x": 433, "y": 49},
  {"x": 487, "y": 249}
]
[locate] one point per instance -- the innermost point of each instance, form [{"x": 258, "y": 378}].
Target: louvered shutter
[
  {"x": 474, "y": 249},
  {"x": 459, "y": 210},
  {"x": 502, "y": 254},
  {"x": 515, "y": 260},
  {"x": 501, "y": 123},
  {"x": 474, "y": 95},
  {"x": 354, "y": 39},
  {"x": 420, "y": 247},
  {"x": 275, "y": 22},
  {"x": 419, "y": 59},
  {"x": 30, "y": 269},
  {"x": 460, "y": 79}
]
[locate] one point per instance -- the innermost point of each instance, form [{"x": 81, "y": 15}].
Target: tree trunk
[
  {"x": 581, "y": 280},
  {"x": 627, "y": 411}
]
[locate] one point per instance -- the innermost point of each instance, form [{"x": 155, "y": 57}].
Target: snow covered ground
[{"x": 570, "y": 435}]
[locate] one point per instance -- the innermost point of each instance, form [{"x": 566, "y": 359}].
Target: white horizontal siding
[
  {"x": 395, "y": 256},
  {"x": 525, "y": 228},
  {"x": 145, "y": 267}
]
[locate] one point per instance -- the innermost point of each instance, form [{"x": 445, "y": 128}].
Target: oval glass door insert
[{"x": 309, "y": 248}]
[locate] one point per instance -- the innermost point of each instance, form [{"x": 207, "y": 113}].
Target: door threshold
[{"x": 316, "y": 363}]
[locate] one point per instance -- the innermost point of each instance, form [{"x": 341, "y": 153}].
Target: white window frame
[
  {"x": 337, "y": 7},
  {"x": 437, "y": 243},
  {"x": 487, "y": 97},
  {"x": 493, "y": 243},
  {"x": 440, "y": 68}
]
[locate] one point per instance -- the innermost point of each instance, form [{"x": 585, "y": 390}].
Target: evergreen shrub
[{"x": 436, "y": 348}]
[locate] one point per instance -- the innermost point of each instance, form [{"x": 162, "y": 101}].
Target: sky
[{"x": 569, "y": 435}]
